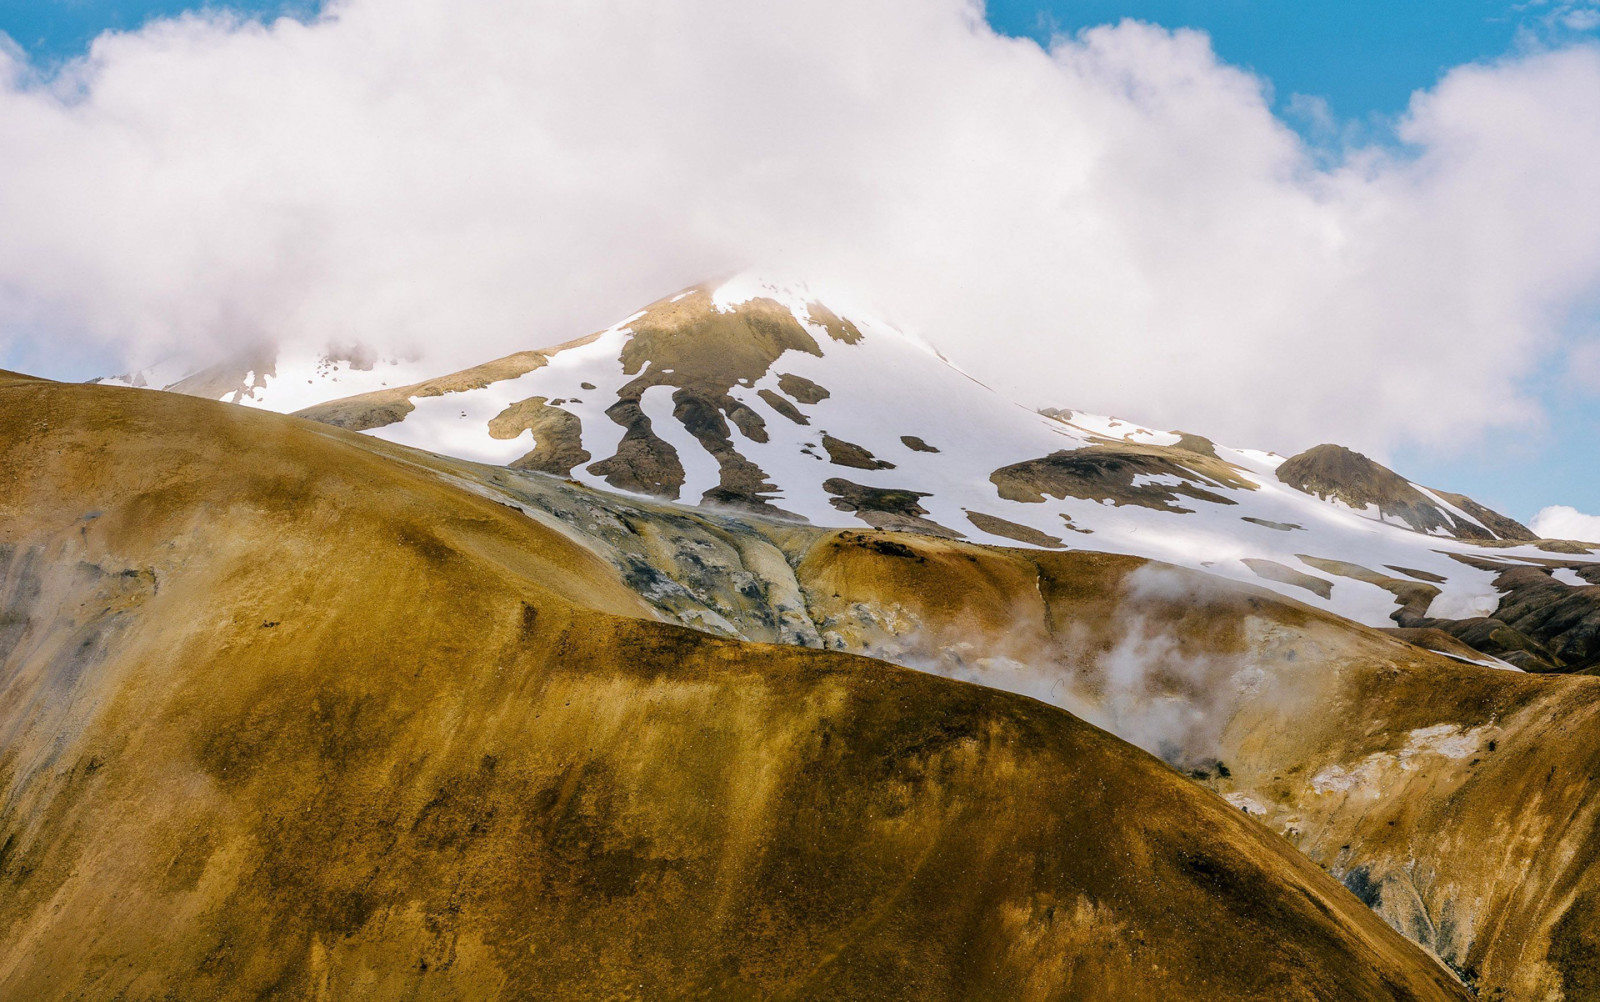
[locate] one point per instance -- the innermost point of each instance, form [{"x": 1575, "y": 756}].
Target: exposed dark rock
[
  {"x": 842, "y": 453},
  {"x": 1359, "y": 881},
  {"x": 1333, "y": 472},
  {"x": 1562, "y": 618},
  {"x": 1491, "y": 636},
  {"x": 384, "y": 407},
  {"x": 1012, "y": 530},
  {"x": 1572, "y": 546},
  {"x": 783, "y": 406},
  {"x": 916, "y": 444},
  {"x": 1435, "y": 640},
  {"x": 1068, "y": 520},
  {"x": 1280, "y": 526},
  {"x": 802, "y": 389},
  {"x": 1107, "y": 473},
  {"x": 643, "y": 463},
  {"x": 1198, "y": 444},
  {"x": 838, "y": 328},
  {"x": 743, "y": 483},
  {"x": 702, "y": 353},
  {"x": 850, "y": 496},
  {"x": 1541, "y": 624},
  {"x": 885, "y": 508},
  {"x": 1274, "y": 571},
  {"x": 1419, "y": 575},
  {"x": 1413, "y": 597},
  {"x": 876, "y": 543},
  {"x": 366, "y": 416},
  {"x": 557, "y": 435},
  {"x": 1500, "y": 525}
]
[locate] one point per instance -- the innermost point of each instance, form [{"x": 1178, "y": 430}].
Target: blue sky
[
  {"x": 51, "y": 30},
  {"x": 1363, "y": 57}
]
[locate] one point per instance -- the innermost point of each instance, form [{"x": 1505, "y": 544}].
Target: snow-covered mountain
[
  {"x": 278, "y": 379},
  {"x": 772, "y": 397}
]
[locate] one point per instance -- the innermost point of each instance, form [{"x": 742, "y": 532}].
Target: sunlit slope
[
  {"x": 1325, "y": 730},
  {"x": 1457, "y": 800},
  {"x": 285, "y": 715}
]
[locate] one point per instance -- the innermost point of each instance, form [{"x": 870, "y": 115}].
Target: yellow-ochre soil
[
  {"x": 1459, "y": 801},
  {"x": 288, "y": 713}
]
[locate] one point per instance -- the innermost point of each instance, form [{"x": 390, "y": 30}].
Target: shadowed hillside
[
  {"x": 1456, "y": 799},
  {"x": 285, "y": 713},
  {"x": 1334, "y": 472}
]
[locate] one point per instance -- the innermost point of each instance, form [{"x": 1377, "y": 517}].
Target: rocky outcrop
[
  {"x": 557, "y": 435},
  {"x": 1271, "y": 570},
  {"x": 1334, "y": 473},
  {"x": 703, "y": 353},
  {"x": 885, "y": 508},
  {"x": 1149, "y": 476},
  {"x": 1541, "y": 624},
  {"x": 995, "y": 525},
  {"x": 1502, "y": 526},
  {"x": 842, "y": 453},
  {"x": 644, "y": 463}
]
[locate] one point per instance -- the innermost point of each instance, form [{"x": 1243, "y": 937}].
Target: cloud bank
[
  {"x": 1562, "y": 522},
  {"x": 1118, "y": 223}
]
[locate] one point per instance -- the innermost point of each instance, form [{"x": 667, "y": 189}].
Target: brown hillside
[
  {"x": 1456, "y": 800},
  {"x": 1213, "y": 676},
  {"x": 285, "y": 713},
  {"x": 1334, "y": 472}
]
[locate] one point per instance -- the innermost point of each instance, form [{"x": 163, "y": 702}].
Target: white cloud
[
  {"x": 1562, "y": 522},
  {"x": 1119, "y": 223},
  {"x": 1570, "y": 15}
]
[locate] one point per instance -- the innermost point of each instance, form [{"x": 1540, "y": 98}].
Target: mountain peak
[
  {"x": 787, "y": 399},
  {"x": 1335, "y": 473},
  {"x": 674, "y": 400}
]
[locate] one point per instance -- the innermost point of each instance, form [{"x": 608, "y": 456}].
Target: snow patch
[
  {"x": 1569, "y": 577},
  {"x": 1463, "y": 605}
]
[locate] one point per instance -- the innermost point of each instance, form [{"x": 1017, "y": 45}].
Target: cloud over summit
[
  {"x": 1117, "y": 223},
  {"x": 1563, "y": 522}
]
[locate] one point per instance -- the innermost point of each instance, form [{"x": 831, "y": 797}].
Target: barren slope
[
  {"x": 285, "y": 713},
  {"x": 1455, "y": 799},
  {"x": 1332, "y": 472}
]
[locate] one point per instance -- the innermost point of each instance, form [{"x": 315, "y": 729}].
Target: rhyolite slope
[{"x": 286, "y": 713}]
